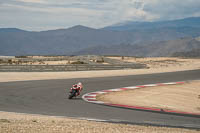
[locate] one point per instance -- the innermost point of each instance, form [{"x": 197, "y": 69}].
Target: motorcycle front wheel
[{"x": 72, "y": 94}]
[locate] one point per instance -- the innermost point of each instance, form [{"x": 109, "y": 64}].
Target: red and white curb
[{"x": 91, "y": 98}]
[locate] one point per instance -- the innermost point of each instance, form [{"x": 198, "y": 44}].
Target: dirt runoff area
[
  {"x": 22, "y": 123},
  {"x": 183, "y": 97}
]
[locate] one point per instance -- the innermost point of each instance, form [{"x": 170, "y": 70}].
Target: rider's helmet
[{"x": 80, "y": 84}]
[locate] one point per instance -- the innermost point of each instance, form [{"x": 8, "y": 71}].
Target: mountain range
[
  {"x": 163, "y": 48},
  {"x": 177, "y": 24},
  {"x": 131, "y": 38}
]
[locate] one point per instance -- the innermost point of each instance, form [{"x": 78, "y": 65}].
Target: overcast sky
[{"x": 40, "y": 15}]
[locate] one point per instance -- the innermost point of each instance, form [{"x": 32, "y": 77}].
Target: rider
[{"x": 78, "y": 87}]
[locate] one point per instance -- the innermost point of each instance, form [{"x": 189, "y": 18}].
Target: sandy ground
[
  {"x": 184, "y": 97},
  {"x": 22, "y": 123},
  {"x": 156, "y": 65}
]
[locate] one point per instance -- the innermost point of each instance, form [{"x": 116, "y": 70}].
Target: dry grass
[{"x": 22, "y": 123}]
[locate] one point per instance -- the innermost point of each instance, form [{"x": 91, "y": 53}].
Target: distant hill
[
  {"x": 164, "y": 48},
  {"x": 161, "y": 30},
  {"x": 57, "y": 42},
  {"x": 195, "y": 52},
  {"x": 141, "y": 37},
  {"x": 192, "y": 53},
  {"x": 176, "y": 24}
]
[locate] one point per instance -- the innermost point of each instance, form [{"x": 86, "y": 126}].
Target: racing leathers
[{"x": 78, "y": 89}]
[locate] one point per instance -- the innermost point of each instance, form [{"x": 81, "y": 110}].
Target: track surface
[{"x": 49, "y": 97}]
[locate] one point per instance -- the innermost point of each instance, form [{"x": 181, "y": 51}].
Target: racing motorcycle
[
  {"x": 75, "y": 90},
  {"x": 72, "y": 93}
]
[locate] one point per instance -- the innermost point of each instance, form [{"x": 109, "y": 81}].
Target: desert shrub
[
  {"x": 4, "y": 121},
  {"x": 78, "y": 62},
  {"x": 21, "y": 57},
  {"x": 34, "y": 121},
  {"x": 10, "y": 61},
  {"x": 100, "y": 61}
]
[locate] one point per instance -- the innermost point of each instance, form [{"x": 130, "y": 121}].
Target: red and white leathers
[{"x": 77, "y": 87}]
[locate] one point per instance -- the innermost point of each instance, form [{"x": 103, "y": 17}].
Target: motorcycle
[
  {"x": 75, "y": 90},
  {"x": 72, "y": 93}
]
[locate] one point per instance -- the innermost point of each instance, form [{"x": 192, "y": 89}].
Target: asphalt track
[{"x": 48, "y": 97}]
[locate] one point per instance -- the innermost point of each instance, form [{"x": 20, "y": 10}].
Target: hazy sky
[{"x": 40, "y": 15}]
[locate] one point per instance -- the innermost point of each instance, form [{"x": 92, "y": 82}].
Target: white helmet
[{"x": 79, "y": 84}]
